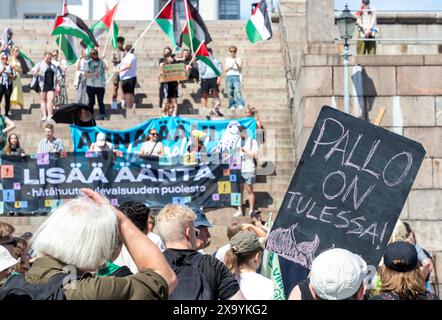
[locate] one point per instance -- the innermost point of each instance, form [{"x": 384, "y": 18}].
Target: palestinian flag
[
  {"x": 194, "y": 28},
  {"x": 69, "y": 48},
  {"x": 104, "y": 25},
  {"x": 25, "y": 62},
  {"x": 114, "y": 31},
  {"x": 203, "y": 55},
  {"x": 259, "y": 27},
  {"x": 169, "y": 21},
  {"x": 72, "y": 25}
]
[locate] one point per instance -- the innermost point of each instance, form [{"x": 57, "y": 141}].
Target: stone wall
[{"x": 410, "y": 88}]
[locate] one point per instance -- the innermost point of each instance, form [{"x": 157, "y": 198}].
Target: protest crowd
[{"x": 132, "y": 252}]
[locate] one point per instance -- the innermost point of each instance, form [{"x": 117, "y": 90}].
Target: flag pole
[
  {"x": 111, "y": 29},
  {"x": 194, "y": 55},
  {"x": 142, "y": 35},
  {"x": 186, "y": 8},
  {"x": 150, "y": 25}
]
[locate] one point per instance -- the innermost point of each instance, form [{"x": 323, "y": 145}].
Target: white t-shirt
[
  {"x": 130, "y": 73},
  {"x": 124, "y": 259},
  {"x": 255, "y": 286},
  {"x": 157, "y": 240},
  {"x": 247, "y": 163},
  {"x": 150, "y": 148},
  {"x": 235, "y": 70},
  {"x": 221, "y": 252}
]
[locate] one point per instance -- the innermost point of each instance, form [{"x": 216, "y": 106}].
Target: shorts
[
  {"x": 169, "y": 90},
  {"x": 208, "y": 85},
  {"x": 248, "y": 178},
  {"x": 128, "y": 85},
  {"x": 116, "y": 78}
]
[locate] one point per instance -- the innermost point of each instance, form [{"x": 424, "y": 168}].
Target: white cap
[
  {"x": 101, "y": 139},
  {"x": 6, "y": 260},
  {"x": 337, "y": 274}
]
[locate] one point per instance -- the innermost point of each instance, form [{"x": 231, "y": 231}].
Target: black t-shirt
[
  {"x": 220, "y": 279},
  {"x": 49, "y": 80}
]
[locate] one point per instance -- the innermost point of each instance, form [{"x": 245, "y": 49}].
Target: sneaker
[
  {"x": 238, "y": 213},
  {"x": 232, "y": 107},
  {"x": 43, "y": 119},
  {"x": 241, "y": 107}
]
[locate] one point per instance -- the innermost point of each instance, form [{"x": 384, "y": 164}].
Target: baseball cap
[
  {"x": 337, "y": 274},
  {"x": 400, "y": 256},
  {"x": 101, "y": 139},
  {"x": 245, "y": 241},
  {"x": 366, "y": 1},
  {"x": 201, "y": 219},
  {"x": 6, "y": 260}
]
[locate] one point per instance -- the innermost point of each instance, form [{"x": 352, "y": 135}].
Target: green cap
[{"x": 245, "y": 241}]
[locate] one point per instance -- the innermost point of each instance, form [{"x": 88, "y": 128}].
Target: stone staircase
[{"x": 264, "y": 87}]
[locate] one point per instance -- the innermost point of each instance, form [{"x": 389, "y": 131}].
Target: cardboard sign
[
  {"x": 173, "y": 72},
  {"x": 347, "y": 192}
]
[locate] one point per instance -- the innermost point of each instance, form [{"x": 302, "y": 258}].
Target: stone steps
[{"x": 264, "y": 87}]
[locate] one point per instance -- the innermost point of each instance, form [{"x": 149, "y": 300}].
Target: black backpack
[
  {"x": 17, "y": 288},
  {"x": 192, "y": 284}
]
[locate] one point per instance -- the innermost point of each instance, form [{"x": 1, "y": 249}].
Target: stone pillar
[
  {"x": 209, "y": 9},
  {"x": 321, "y": 21}
]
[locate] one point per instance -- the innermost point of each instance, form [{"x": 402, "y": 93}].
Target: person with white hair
[
  {"x": 201, "y": 277},
  {"x": 81, "y": 236},
  {"x": 336, "y": 274}
]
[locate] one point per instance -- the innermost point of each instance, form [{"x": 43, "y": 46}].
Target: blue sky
[{"x": 435, "y": 5}]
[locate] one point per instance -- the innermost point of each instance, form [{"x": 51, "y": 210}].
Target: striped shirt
[{"x": 46, "y": 146}]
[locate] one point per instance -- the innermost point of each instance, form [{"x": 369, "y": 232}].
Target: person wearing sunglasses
[
  {"x": 6, "y": 42},
  {"x": 96, "y": 82},
  {"x": 233, "y": 71},
  {"x": 7, "y": 76},
  {"x": 152, "y": 147}
]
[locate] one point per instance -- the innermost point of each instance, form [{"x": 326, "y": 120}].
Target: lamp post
[{"x": 346, "y": 24}]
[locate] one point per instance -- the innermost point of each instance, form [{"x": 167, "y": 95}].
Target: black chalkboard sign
[{"x": 347, "y": 192}]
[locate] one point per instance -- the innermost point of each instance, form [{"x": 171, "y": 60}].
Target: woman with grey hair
[{"x": 81, "y": 236}]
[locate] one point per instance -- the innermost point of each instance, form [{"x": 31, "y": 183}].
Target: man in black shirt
[{"x": 201, "y": 277}]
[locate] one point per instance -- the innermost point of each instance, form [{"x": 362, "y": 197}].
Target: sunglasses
[
  {"x": 232, "y": 51},
  {"x": 153, "y": 134}
]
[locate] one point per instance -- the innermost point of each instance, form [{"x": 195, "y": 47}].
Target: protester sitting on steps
[
  {"x": 243, "y": 259},
  {"x": 50, "y": 143},
  {"x": 13, "y": 148},
  {"x": 336, "y": 274},
  {"x": 152, "y": 147},
  {"x": 201, "y": 277},
  {"x": 81, "y": 236}
]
